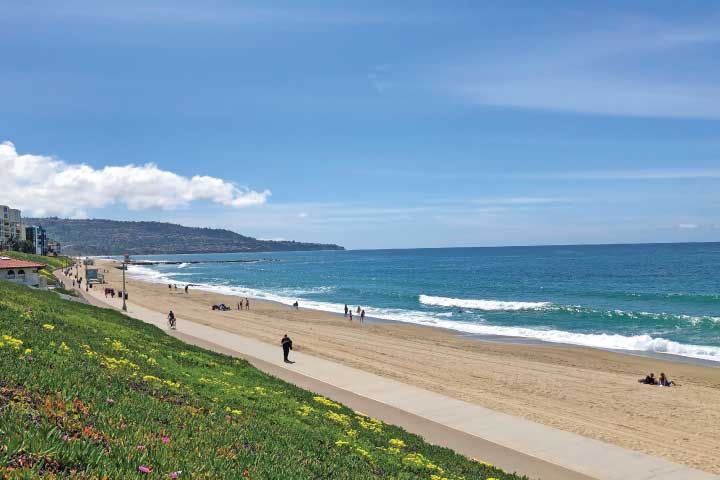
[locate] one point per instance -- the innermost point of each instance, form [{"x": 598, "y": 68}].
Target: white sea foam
[
  {"x": 638, "y": 343},
  {"x": 488, "y": 305}
]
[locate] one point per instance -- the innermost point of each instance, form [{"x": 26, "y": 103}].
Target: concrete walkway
[{"x": 511, "y": 443}]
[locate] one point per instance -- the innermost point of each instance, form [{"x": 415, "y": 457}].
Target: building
[
  {"x": 54, "y": 248},
  {"x": 36, "y": 235},
  {"x": 12, "y": 231},
  {"x": 20, "y": 271}
]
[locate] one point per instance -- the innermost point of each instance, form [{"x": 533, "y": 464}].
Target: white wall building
[{"x": 20, "y": 271}]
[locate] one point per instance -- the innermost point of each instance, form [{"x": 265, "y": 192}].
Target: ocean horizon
[{"x": 660, "y": 298}]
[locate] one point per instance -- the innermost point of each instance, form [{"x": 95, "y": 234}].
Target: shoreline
[
  {"x": 508, "y": 339},
  {"x": 582, "y": 390}
]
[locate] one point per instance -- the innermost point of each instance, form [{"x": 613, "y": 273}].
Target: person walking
[
  {"x": 346, "y": 309},
  {"x": 286, "y": 346},
  {"x": 247, "y": 304},
  {"x": 171, "y": 320},
  {"x": 362, "y": 316},
  {"x": 186, "y": 288},
  {"x": 350, "y": 315}
]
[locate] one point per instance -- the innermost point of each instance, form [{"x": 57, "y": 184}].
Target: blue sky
[{"x": 370, "y": 124}]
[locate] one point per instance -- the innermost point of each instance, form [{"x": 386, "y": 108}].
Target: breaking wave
[{"x": 488, "y": 305}]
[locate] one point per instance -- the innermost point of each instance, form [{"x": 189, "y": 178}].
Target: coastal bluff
[{"x": 113, "y": 237}]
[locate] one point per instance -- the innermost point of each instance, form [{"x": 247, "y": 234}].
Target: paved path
[{"x": 511, "y": 443}]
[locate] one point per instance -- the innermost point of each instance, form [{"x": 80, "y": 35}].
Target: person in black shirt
[
  {"x": 286, "y": 346},
  {"x": 649, "y": 380}
]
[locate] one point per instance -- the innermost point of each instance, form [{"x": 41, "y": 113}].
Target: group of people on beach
[
  {"x": 174, "y": 287},
  {"x": 663, "y": 381},
  {"x": 359, "y": 311},
  {"x": 240, "y": 304}
]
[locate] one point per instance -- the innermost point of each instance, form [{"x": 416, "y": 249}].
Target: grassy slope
[
  {"x": 80, "y": 396},
  {"x": 52, "y": 263}
]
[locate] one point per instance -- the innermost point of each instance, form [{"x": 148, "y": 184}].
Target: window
[
  {"x": 21, "y": 275},
  {"x": 11, "y": 274}
]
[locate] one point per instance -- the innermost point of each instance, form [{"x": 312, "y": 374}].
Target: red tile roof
[{"x": 6, "y": 263}]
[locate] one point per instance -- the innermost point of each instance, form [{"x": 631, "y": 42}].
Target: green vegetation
[
  {"x": 111, "y": 237},
  {"x": 89, "y": 393},
  {"x": 53, "y": 263}
]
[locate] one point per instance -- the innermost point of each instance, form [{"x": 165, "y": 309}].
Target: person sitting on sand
[
  {"x": 664, "y": 382},
  {"x": 648, "y": 380},
  {"x": 286, "y": 346}
]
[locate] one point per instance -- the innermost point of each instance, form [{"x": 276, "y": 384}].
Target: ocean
[{"x": 662, "y": 298}]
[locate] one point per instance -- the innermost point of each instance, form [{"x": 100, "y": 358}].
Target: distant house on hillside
[{"x": 20, "y": 271}]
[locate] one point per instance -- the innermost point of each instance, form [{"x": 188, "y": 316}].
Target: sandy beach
[{"x": 586, "y": 391}]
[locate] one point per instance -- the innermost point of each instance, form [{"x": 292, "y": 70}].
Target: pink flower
[
  {"x": 140, "y": 447},
  {"x": 228, "y": 417},
  {"x": 175, "y": 474},
  {"x": 144, "y": 469},
  {"x": 65, "y": 438},
  {"x": 110, "y": 401},
  {"x": 166, "y": 439}
]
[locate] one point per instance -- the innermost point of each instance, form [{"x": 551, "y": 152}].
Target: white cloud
[
  {"x": 42, "y": 185},
  {"x": 688, "y": 226}
]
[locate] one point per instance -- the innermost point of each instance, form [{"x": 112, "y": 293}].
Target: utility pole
[{"x": 124, "y": 294}]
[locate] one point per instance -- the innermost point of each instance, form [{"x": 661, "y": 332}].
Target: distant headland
[{"x": 113, "y": 237}]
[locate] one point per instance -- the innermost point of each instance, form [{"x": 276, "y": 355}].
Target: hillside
[
  {"x": 90, "y": 393},
  {"x": 112, "y": 237}
]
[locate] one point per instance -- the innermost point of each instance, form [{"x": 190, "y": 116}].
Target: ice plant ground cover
[{"x": 89, "y": 393}]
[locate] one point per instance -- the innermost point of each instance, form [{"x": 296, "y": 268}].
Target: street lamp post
[{"x": 124, "y": 294}]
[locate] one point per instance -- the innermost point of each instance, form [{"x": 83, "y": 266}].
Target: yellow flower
[
  {"x": 372, "y": 424},
  {"x": 28, "y": 351},
  {"x": 396, "y": 442},
  {"x": 15, "y": 343},
  {"x": 417, "y": 460},
  {"x": 49, "y": 327},
  {"x": 351, "y": 433},
  {"x": 327, "y": 402},
  {"x": 342, "y": 443},
  {"x": 362, "y": 451},
  {"x": 338, "y": 418},
  {"x": 304, "y": 410}
]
